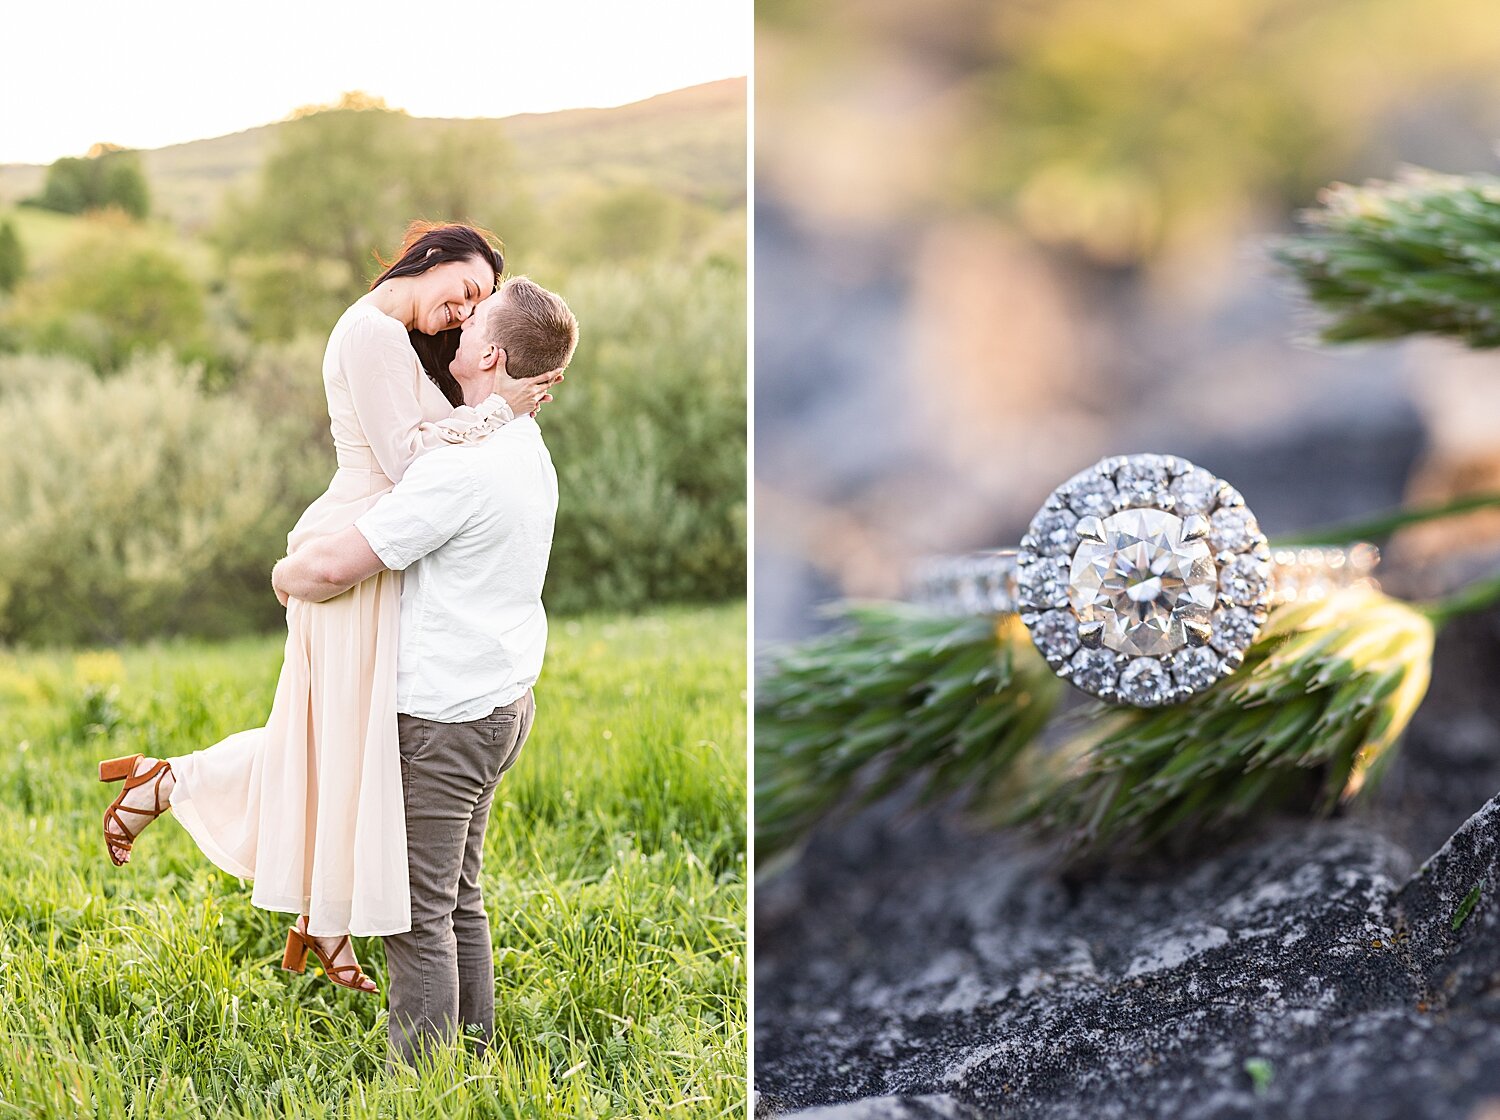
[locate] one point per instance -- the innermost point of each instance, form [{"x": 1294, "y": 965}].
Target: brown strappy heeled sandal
[
  {"x": 295, "y": 959},
  {"x": 112, "y": 770}
]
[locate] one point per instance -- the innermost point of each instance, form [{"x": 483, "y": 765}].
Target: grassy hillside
[{"x": 690, "y": 142}]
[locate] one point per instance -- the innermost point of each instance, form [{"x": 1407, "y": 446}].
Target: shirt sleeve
[
  {"x": 383, "y": 374},
  {"x": 423, "y": 511}
]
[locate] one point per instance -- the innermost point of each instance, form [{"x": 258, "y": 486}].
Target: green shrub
[
  {"x": 278, "y": 296},
  {"x": 114, "y": 291},
  {"x": 627, "y": 224},
  {"x": 648, "y": 436},
  {"x": 132, "y": 506},
  {"x": 144, "y": 503}
]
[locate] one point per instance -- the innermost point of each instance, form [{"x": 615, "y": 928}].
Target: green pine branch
[
  {"x": 1377, "y": 529},
  {"x": 902, "y": 695},
  {"x": 1419, "y": 255},
  {"x": 897, "y": 694},
  {"x": 1306, "y": 722}
]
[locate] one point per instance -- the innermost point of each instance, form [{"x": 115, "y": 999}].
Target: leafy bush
[
  {"x": 132, "y": 506},
  {"x": 344, "y": 181},
  {"x": 144, "y": 503},
  {"x": 113, "y": 291},
  {"x": 280, "y": 295},
  {"x": 627, "y": 223},
  {"x": 648, "y": 436}
]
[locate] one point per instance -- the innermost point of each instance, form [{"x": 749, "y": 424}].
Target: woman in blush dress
[{"x": 310, "y": 806}]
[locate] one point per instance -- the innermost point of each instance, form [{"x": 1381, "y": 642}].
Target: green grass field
[
  {"x": 614, "y": 876},
  {"x": 43, "y": 234}
]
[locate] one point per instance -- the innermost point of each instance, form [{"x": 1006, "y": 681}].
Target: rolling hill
[{"x": 689, "y": 142}]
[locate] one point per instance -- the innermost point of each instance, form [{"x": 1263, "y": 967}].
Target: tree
[
  {"x": 333, "y": 189},
  {"x": 109, "y": 176},
  {"x": 12, "y": 258},
  {"x": 466, "y": 172},
  {"x": 341, "y": 186}
]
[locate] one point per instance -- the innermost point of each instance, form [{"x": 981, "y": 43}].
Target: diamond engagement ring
[{"x": 1143, "y": 580}]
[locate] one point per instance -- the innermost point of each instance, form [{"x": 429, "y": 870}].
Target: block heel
[
  {"x": 344, "y": 975},
  {"x": 295, "y": 957},
  {"x": 117, "y": 769}
]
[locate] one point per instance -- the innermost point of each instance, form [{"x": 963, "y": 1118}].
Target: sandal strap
[
  {"x": 122, "y": 837},
  {"x": 146, "y": 812},
  {"x": 119, "y": 837},
  {"x": 158, "y": 767},
  {"x": 334, "y": 970},
  {"x": 121, "y": 832},
  {"x": 158, "y": 771}
]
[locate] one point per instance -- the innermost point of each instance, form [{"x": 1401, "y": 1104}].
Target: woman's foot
[
  {"x": 345, "y": 954},
  {"x": 147, "y": 796}
]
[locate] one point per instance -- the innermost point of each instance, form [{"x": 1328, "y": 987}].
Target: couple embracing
[{"x": 415, "y": 631}]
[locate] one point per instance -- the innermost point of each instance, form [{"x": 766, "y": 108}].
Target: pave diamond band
[
  {"x": 1143, "y": 579},
  {"x": 984, "y": 582}
]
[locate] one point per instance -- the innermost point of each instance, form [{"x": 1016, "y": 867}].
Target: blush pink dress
[{"x": 310, "y": 806}]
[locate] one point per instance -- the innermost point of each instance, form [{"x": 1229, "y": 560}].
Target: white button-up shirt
[{"x": 472, "y": 528}]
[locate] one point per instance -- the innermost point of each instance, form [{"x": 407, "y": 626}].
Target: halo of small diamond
[
  {"x": 1233, "y": 529},
  {"x": 1234, "y": 629},
  {"x": 1092, "y": 494},
  {"x": 1195, "y": 491},
  {"x": 1056, "y": 634},
  {"x": 1142, "y": 481},
  {"x": 1095, "y": 670},
  {"x": 1246, "y": 579},
  {"x": 1052, "y": 531},
  {"x": 1145, "y": 683},
  {"x": 1195, "y": 668},
  {"x": 1188, "y": 656}
]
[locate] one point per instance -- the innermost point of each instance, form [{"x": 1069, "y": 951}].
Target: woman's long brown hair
[{"x": 427, "y": 245}]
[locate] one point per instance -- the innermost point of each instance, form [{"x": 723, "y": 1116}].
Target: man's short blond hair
[{"x": 534, "y": 327}]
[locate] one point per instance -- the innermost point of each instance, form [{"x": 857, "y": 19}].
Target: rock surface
[{"x": 907, "y": 967}]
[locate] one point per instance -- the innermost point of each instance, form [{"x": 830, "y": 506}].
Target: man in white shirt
[{"x": 471, "y": 525}]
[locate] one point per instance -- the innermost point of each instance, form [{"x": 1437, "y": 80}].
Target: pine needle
[
  {"x": 1306, "y": 723},
  {"x": 1415, "y": 256},
  {"x": 902, "y": 696},
  {"x": 898, "y": 694}
]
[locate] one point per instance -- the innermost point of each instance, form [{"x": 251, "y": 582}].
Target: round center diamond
[{"x": 1143, "y": 582}]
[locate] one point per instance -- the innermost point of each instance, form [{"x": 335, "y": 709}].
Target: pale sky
[{"x": 148, "y": 73}]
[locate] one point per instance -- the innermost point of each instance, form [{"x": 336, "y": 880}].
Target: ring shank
[{"x": 980, "y": 583}]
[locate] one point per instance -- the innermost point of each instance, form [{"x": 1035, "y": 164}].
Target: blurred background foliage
[
  {"x": 996, "y": 242},
  {"x": 109, "y": 177},
  {"x": 1113, "y": 129},
  {"x": 161, "y": 349}
]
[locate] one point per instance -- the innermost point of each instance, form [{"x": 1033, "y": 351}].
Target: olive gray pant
[{"x": 442, "y": 972}]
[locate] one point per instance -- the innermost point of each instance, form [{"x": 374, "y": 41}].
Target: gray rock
[
  {"x": 908, "y": 966},
  {"x": 941, "y": 1107}
]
